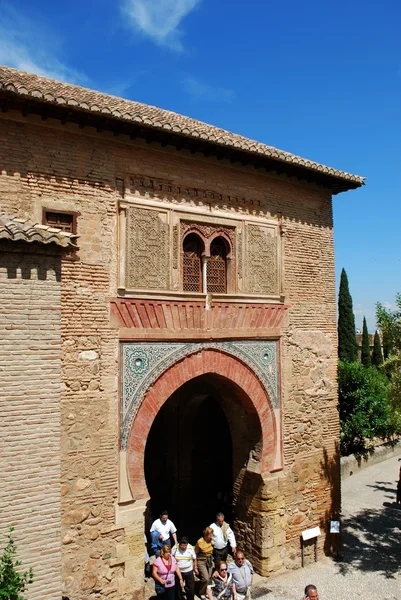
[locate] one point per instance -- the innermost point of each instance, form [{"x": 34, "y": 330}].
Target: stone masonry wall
[
  {"x": 48, "y": 165},
  {"x": 30, "y": 361}
]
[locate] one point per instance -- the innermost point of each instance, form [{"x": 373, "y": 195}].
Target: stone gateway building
[{"x": 168, "y": 337}]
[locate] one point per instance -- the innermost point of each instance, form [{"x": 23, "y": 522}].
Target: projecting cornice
[{"x": 164, "y": 319}]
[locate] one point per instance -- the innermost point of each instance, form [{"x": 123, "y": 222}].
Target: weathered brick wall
[
  {"x": 30, "y": 361},
  {"x": 71, "y": 169},
  {"x": 309, "y": 376}
]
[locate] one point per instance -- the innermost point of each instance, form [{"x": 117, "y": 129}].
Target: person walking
[
  {"x": 221, "y": 586},
  {"x": 165, "y": 528},
  {"x": 164, "y": 572},
  {"x": 204, "y": 553},
  {"x": 185, "y": 556},
  {"x": 311, "y": 592},
  {"x": 148, "y": 569},
  {"x": 242, "y": 572},
  {"x": 156, "y": 542},
  {"x": 222, "y": 536}
]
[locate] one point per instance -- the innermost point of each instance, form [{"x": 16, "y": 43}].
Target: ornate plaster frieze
[
  {"x": 143, "y": 363},
  {"x": 208, "y": 230},
  {"x": 164, "y": 189}
]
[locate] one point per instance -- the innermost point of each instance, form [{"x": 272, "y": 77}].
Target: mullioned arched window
[
  {"x": 216, "y": 274},
  {"x": 192, "y": 264}
]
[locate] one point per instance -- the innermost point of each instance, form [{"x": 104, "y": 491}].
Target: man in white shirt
[
  {"x": 185, "y": 556},
  {"x": 165, "y": 528},
  {"x": 222, "y": 536}
]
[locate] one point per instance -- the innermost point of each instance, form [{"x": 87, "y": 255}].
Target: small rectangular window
[{"x": 66, "y": 221}]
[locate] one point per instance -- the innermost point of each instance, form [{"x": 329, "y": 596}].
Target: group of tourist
[{"x": 178, "y": 562}]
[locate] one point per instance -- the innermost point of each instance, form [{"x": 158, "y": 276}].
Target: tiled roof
[
  {"x": 16, "y": 229},
  {"x": 76, "y": 97}
]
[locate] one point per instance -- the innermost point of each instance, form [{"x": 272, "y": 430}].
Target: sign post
[{"x": 306, "y": 535}]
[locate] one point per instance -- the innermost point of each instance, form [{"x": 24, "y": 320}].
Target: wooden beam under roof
[{"x": 102, "y": 122}]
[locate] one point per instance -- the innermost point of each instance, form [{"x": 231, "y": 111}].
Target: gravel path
[{"x": 371, "y": 565}]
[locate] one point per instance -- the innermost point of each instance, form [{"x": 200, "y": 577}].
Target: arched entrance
[
  {"x": 208, "y": 389},
  {"x": 189, "y": 456}
]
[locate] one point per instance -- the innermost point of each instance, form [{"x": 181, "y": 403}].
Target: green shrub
[
  {"x": 365, "y": 411},
  {"x": 12, "y": 582}
]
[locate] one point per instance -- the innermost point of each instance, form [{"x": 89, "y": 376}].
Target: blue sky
[{"x": 320, "y": 79}]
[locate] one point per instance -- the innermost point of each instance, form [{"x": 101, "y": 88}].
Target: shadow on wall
[
  {"x": 248, "y": 519},
  {"x": 330, "y": 470},
  {"x": 81, "y": 170},
  {"x": 25, "y": 261},
  {"x": 250, "y": 486}
]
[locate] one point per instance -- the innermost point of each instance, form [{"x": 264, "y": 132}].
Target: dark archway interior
[{"x": 200, "y": 440}]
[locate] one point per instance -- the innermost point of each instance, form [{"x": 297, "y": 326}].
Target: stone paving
[
  {"x": 371, "y": 561},
  {"x": 371, "y": 565}
]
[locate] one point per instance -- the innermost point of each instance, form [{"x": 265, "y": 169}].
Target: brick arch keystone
[{"x": 208, "y": 361}]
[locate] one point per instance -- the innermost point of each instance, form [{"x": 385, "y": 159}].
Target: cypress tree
[
  {"x": 377, "y": 355},
  {"x": 347, "y": 344},
  {"x": 386, "y": 344},
  {"x": 365, "y": 354}
]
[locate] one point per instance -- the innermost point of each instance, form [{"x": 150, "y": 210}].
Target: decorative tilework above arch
[{"x": 143, "y": 363}]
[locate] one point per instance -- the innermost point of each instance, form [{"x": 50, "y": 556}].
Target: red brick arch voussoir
[{"x": 200, "y": 363}]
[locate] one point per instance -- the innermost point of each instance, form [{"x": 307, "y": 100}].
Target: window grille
[
  {"x": 216, "y": 272},
  {"x": 65, "y": 221},
  {"x": 192, "y": 265}
]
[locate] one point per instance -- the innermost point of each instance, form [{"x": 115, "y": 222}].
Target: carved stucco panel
[
  {"x": 148, "y": 250},
  {"x": 240, "y": 259},
  {"x": 262, "y": 259},
  {"x": 175, "y": 246},
  {"x": 176, "y": 254}
]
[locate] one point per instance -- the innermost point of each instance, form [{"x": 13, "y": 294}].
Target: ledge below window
[
  {"x": 200, "y": 296},
  {"x": 195, "y": 319}
]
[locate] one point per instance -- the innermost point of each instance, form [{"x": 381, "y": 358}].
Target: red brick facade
[
  {"x": 281, "y": 290},
  {"x": 30, "y": 390}
]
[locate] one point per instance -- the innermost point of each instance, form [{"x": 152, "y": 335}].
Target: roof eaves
[
  {"x": 18, "y": 229},
  {"x": 34, "y": 86}
]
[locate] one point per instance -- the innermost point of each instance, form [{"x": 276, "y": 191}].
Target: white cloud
[
  {"x": 29, "y": 46},
  {"x": 203, "y": 91},
  {"x": 159, "y": 19},
  {"x": 118, "y": 88}
]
